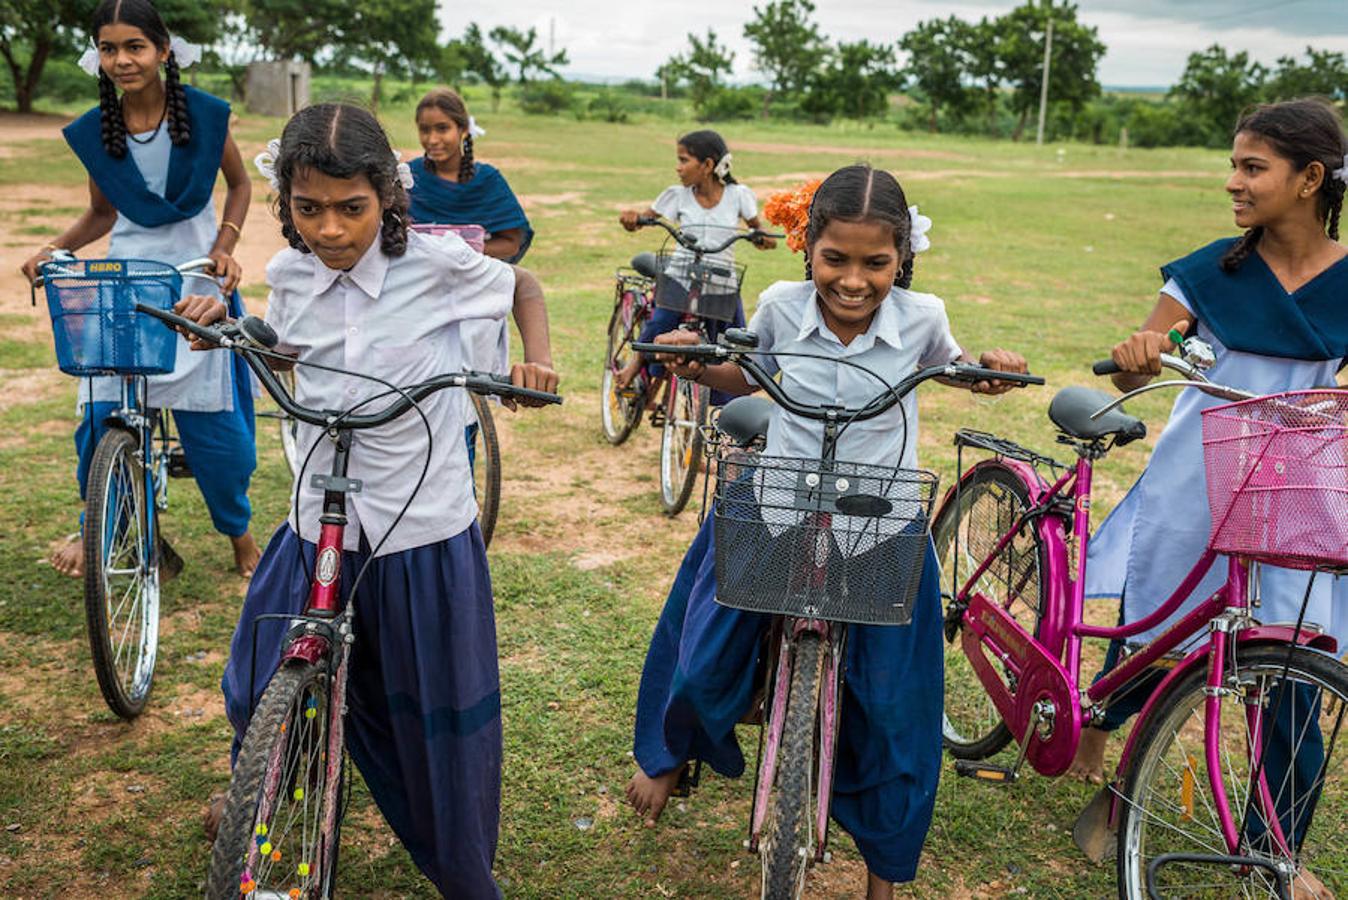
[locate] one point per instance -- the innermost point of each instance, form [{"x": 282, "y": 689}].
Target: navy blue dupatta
[
  {"x": 1250, "y": 311},
  {"x": 485, "y": 199},
  {"x": 192, "y": 168}
]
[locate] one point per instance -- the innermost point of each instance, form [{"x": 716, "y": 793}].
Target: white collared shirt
[
  {"x": 396, "y": 318},
  {"x": 910, "y": 330}
]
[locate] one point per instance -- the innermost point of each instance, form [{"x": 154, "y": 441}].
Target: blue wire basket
[{"x": 94, "y": 319}]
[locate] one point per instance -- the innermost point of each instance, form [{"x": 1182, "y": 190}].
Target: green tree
[
  {"x": 984, "y": 66},
  {"x": 787, "y": 46},
  {"x": 704, "y": 67},
  {"x": 1215, "y": 88},
  {"x": 1324, "y": 75},
  {"x": 390, "y": 36},
  {"x": 294, "y": 29},
  {"x": 525, "y": 54},
  {"x": 855, "y": 82},
  {"x": 1076, "y": 56},
  {"x": 481, "y": 63},
  {"x": 937, "y": 65}
]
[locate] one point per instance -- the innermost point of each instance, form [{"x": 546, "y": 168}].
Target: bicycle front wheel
[
  {"x": 486, "y": 468},
  {"x": 987, "y": 502},
  {"x": 619, "y": 413},
  {"x": 121, "y": 573},
  {"x": 788, "y": 830},
  {"x": 681, "y": 443},
  {"x": 1168, "y": 805},
  {"x": 275, "y": 839}
]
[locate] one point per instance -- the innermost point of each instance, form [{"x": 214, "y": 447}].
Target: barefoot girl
[
  {"x": 357, "y": 290},
  {"x": 152, "y": 148},
  {"x": 1271, "y": 304},
  {"x": 707, "y": 203},
  {"x": 699, "y": 676}
]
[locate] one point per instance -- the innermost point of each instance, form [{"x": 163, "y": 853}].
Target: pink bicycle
[{"x": 1229, "y": 786}]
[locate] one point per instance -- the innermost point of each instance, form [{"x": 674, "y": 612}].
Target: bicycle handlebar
[
  {"x": 191, "y": 267},
  {"x": 1192, "y": 377},
  {"x": 249, "y": 338},
  {"x": 691, "y": 243},
  {"x": 877, "y": 406}
]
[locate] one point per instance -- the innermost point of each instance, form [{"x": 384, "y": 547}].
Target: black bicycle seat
[
  {"x": 646, "y": 264},
  {"x": 1071, "y": 411},
  {"x": 745, "y": 419}
]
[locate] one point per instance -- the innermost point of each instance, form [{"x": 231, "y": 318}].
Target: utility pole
[{"x": 1043, "y": 86}]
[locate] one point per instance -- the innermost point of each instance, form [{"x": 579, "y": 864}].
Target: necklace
[{"x": 163, "y": 113}]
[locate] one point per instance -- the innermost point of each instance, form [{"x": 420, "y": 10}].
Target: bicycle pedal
[
  {"x": 689, "y": 778},
  {"x": 177, "y": 464},
  {"x": 981, "y": 771},
  {"x": 658, "y": 418}
]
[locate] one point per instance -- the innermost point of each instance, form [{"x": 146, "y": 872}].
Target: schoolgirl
[
  {"x": 699, "y": 677},
  {"x": 357, "y": 290},
  {"x": 152, "y": 148}
]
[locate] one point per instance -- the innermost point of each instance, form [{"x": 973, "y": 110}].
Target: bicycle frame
[{"x": 1047, "y": 709}]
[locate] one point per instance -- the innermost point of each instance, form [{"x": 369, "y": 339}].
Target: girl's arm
[
  {"x": 238, "y": 195},
  {"x": 504, "y": 244},
  {"x": 531, "y": 315},
  {"x": 628, "y": 217},
  {"x": 96, "y": 221},
  {"x": 765, "y": 243},
  {"x": 1140, "y": 355},
  {"x": 725, "y": 376}
]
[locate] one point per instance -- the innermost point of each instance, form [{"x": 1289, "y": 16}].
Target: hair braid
[
  {"x": 467, "y": 167},
  {"x": 393, "y": 233},
  {"x": 111, "y": 123},
  {"x": 1334, "y": 191},
  {"x": 175, "y": 99},
  {"x": 1241, "y": 249}
]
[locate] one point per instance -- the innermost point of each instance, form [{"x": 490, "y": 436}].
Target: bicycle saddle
[
  {"x": 1071, "y": 411},
  {"x": 646, "y": 264},
  {"x": 745, "y": 419}
]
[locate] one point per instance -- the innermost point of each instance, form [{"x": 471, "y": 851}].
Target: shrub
[{"x": 545, "y": 98}]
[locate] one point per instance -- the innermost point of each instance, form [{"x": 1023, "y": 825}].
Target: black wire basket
[
  {"x": 838, "y": 541},
  {"x": 706, "y": 287}
]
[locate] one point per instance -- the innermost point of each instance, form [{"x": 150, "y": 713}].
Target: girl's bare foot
[
  {"x": 648, "y": 795},
  {"x": 627, "y": 373},
  {"x": 877, "y": 888},
  {"x": 214, "y": 813},
  {"x": 1307, "y": 887},
  {"x": 67, "y": 557},
  {"x": 246, "y": 554},
  {"x": 1089, "y": 765}
]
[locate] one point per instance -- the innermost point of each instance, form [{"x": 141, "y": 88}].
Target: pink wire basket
[
  {"x": 474, "y": 236},
  {"x": 1277, "y": 473}
]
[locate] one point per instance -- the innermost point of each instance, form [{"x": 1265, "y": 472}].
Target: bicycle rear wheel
[
  {"x": 275, "y": 837},
  {"x": 1168, "y": 806},
  {"x": 967, "y": 529},
  {"x": 486, "y": 468},
  {"x": 121, "y": 573},
  {"x": 788, "y": 829},
  {"x": 619, "y": 414},
  {"x": 681, "y": 443}
]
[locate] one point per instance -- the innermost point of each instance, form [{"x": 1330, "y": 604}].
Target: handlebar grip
[
  {"x": 176, "y": 321},
  {"x": 981, "y": 373},
  {"x": 647, "y": 220},
  {"x": 707, "y": 350},
  {"x": 502, "y": 386},
  {"x": 1106, "y": 367}
]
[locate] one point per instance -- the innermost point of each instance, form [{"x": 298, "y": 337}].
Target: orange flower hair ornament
[{"x": 790, "y": 211}]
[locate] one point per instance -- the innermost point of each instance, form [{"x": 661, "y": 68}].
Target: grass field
[{"x": 1051, "y": 251}]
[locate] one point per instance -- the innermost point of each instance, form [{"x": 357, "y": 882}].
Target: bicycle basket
[
  {"x": 474, "y": 236},
  {"x": 94, "y": 320},
  {"x": 1277, "y": 475},
  {"x": 839, "y": 541},
  {"x": 708, "y": 287}
]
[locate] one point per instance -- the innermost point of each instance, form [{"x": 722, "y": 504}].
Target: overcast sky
[{"x": 1147, "y": 40}]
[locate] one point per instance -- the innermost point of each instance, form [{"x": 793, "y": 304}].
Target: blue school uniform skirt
[
  {"x": 703, "y": 667},
  {"x": 424, "y": 698}
]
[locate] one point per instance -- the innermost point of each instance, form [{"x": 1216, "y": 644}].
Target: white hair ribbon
[
  {"x": 921, "y": 224},
  {"x": 89, "y": 61},
  {"x": 183, "y": 50},
  {"x": 266, "y": 163},
  {"x": 404, "y": 171},
  {"x": 1342, "y": 173},
  {"x": 722, "y": 169},
  {"x": 474, "y": 129}
]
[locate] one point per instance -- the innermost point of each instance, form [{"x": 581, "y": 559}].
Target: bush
[
  {"x": 731, "y": 103},
  {"x": 545, "y": 98},
  {"x": 607, "y": 106},
  {"x": 63, "y": 80}
]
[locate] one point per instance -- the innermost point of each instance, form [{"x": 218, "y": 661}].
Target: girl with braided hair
[
  {"x": 1272, "y": 305},
  {"x": 153, "y": 147},
  {"x": 700, "y": 672}
]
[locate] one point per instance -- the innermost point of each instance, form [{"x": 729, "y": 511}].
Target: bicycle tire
[
  {"x": 976, "y": 730},
  {"x": 289, "y": 428},
  {"x": 116, "y": 487},
  {"x": 618, "y": 415},
  {"x": 1163, "y": 736},
  {"x": 788, "y": 845},
  {"x": 264, "y": 763},
  {"x": 486, "y": 468},
  {"x": 679, "y": 454}
]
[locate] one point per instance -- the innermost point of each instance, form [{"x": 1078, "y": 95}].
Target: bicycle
[
  {"x": 281, "y": 826},
  {"x": 818, "y": 544},
  {"x": 685, "y": 281},
  {"x": 484, "y": 444},
  {"x": 97, "y": 333},
  {"x": 1193, "y": 792}
]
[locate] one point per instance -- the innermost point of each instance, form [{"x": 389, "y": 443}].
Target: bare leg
[
  {"x": 210, "y": 820},
  {"x": 67, "y": 556},
  {"x": 648, "y": 795},
  {"x": 246, "y": 554},
  {"x": 1089, "y": 764},
  {"x": 877, "y": 888}
]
